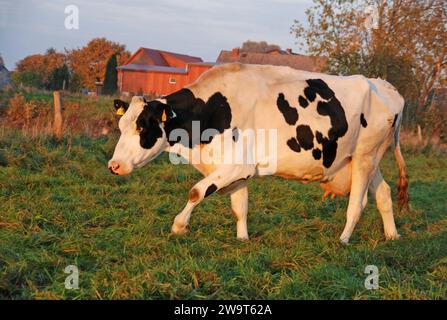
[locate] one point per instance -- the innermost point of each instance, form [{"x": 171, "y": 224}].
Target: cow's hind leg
[
  {"x": 217, "y": 180},
  {"x": 239, "y": 208},
  {"x": 362, "y": 169},
  {"x": 381, "y": 191}
]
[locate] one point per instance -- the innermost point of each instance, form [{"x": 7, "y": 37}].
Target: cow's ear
[
  {"x": 165, "y": 112},
  {"x": 120, "y": 106}
]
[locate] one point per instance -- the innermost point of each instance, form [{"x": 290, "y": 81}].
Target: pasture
[{"x": 60, "y": 206}]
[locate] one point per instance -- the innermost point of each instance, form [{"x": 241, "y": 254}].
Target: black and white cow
[{"x": 330, "y": 129}]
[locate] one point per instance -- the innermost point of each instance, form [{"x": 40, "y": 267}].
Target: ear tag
[
  {"x": 120, "y": 111},
  {"x": 163, "y": 116}
]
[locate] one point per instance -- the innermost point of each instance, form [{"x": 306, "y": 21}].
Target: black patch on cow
[
  {"x": 305, "y": 137},
  {"x": 310, "y": 94},
  {"x": 319, "y": 137},
  {"x": 320, "y": 87},
  {"x": 363, "y": 121},
  {"x": 117, "y": 103},
  {"x": 329, "y": 149},
  {"x": 211, "y": 189},
  {"x": 303, "y": 102},
  {"x": 215, "y": 114},
  {"x": 334, "y": 110},
  {"x": 149, "y": 125},
  {"x": 394, "y": 121},
  {"x": 293, "y": 144},
  {"x": 290, "y": 113},
  {"x": 235, "y": 134},
  {"x": 316, "y": 153}
]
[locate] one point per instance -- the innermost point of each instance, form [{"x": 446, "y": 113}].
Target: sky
[{"x": 195, "y": 27}]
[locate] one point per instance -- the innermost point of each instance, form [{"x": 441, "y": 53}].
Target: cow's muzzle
[{"x": 115, "y": 167}]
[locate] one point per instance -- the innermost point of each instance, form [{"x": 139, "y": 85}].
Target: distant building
[
  {"x": 150, "y": 71},
  {"x": 5, "y": 75},
  {"x": 275, "y": 57}
]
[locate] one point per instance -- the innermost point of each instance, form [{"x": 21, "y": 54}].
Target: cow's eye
[{"x": 138, "y": 130}]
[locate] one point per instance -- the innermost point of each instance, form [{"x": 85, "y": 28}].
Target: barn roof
[
  {"x": 282, "y": 58},
  {"x": 154, "y": 57},
  {"x": 139, "y": 67}
]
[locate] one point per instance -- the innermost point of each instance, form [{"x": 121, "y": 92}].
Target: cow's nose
[{"x": 113, "y": 166}]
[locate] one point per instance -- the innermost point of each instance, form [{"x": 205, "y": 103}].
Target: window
[{"x": 172, "y": 80}]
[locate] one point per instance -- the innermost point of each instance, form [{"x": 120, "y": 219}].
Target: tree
[
  {"x": 111, "y": 76},
  {"x": 260, "y": 47},
  {"x": 39, "y": 67},
  {"x": 58, "y": 77},
  {"x": 402, "y": 41},
  {"x": 89, "y": 62}
]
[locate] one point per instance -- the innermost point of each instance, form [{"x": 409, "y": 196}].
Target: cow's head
[{"x": 142, "y": 135}]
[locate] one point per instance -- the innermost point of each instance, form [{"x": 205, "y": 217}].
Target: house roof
[{"x": 296, "y": 61}]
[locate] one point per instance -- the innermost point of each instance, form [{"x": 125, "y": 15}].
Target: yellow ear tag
[
  {"x": 163, "y": 116},
  {"x": 120, "y": 111}
]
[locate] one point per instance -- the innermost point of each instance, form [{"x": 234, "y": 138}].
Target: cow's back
[{"x": 319, "y": 118}]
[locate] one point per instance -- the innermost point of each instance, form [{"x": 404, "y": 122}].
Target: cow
[{"x": 329, "y": 129}]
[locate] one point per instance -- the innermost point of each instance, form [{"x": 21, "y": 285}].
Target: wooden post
[
  {"x": 419, "y": 133},
  {"x": 57, "y": 128}
]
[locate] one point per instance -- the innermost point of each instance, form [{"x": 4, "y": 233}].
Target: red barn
[{"x": 151, "y": 71}]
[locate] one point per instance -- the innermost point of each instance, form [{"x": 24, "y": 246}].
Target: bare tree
[{"x": 402, "y": 41}]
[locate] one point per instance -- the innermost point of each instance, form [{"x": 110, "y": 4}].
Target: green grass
[{"x": 60, "y": 206}]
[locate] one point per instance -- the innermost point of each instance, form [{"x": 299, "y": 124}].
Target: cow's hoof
[
  {"x": 392, "y": 236},
  {"x": 242, "y": 238},
  {"x": 344, "y": 240},
  {"x": 179, "y": 230}
]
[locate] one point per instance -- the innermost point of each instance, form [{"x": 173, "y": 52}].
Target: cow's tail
[{"x": 402, "y": 184}]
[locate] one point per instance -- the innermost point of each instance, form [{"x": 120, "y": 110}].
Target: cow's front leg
[
  {"x": 239, "y": 209},
  {"x": 205, "y": 187}
]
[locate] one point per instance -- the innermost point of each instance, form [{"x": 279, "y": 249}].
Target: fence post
[
  {"x": 57, "y": 128},
  {"x": 419, "y": 134}
]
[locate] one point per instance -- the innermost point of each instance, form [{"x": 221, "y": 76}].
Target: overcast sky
[{"x": 196, "y": 27}]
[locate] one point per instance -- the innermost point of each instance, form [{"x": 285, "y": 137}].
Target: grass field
[{"x": 60, "y": 206}]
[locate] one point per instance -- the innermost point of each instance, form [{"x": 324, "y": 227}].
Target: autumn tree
[
  {"x": 89, "y": 62},
  {"x": 402, "y": 41},
  {"x": 37, "y": 70},
  {"x": 111, "y": 76}
]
